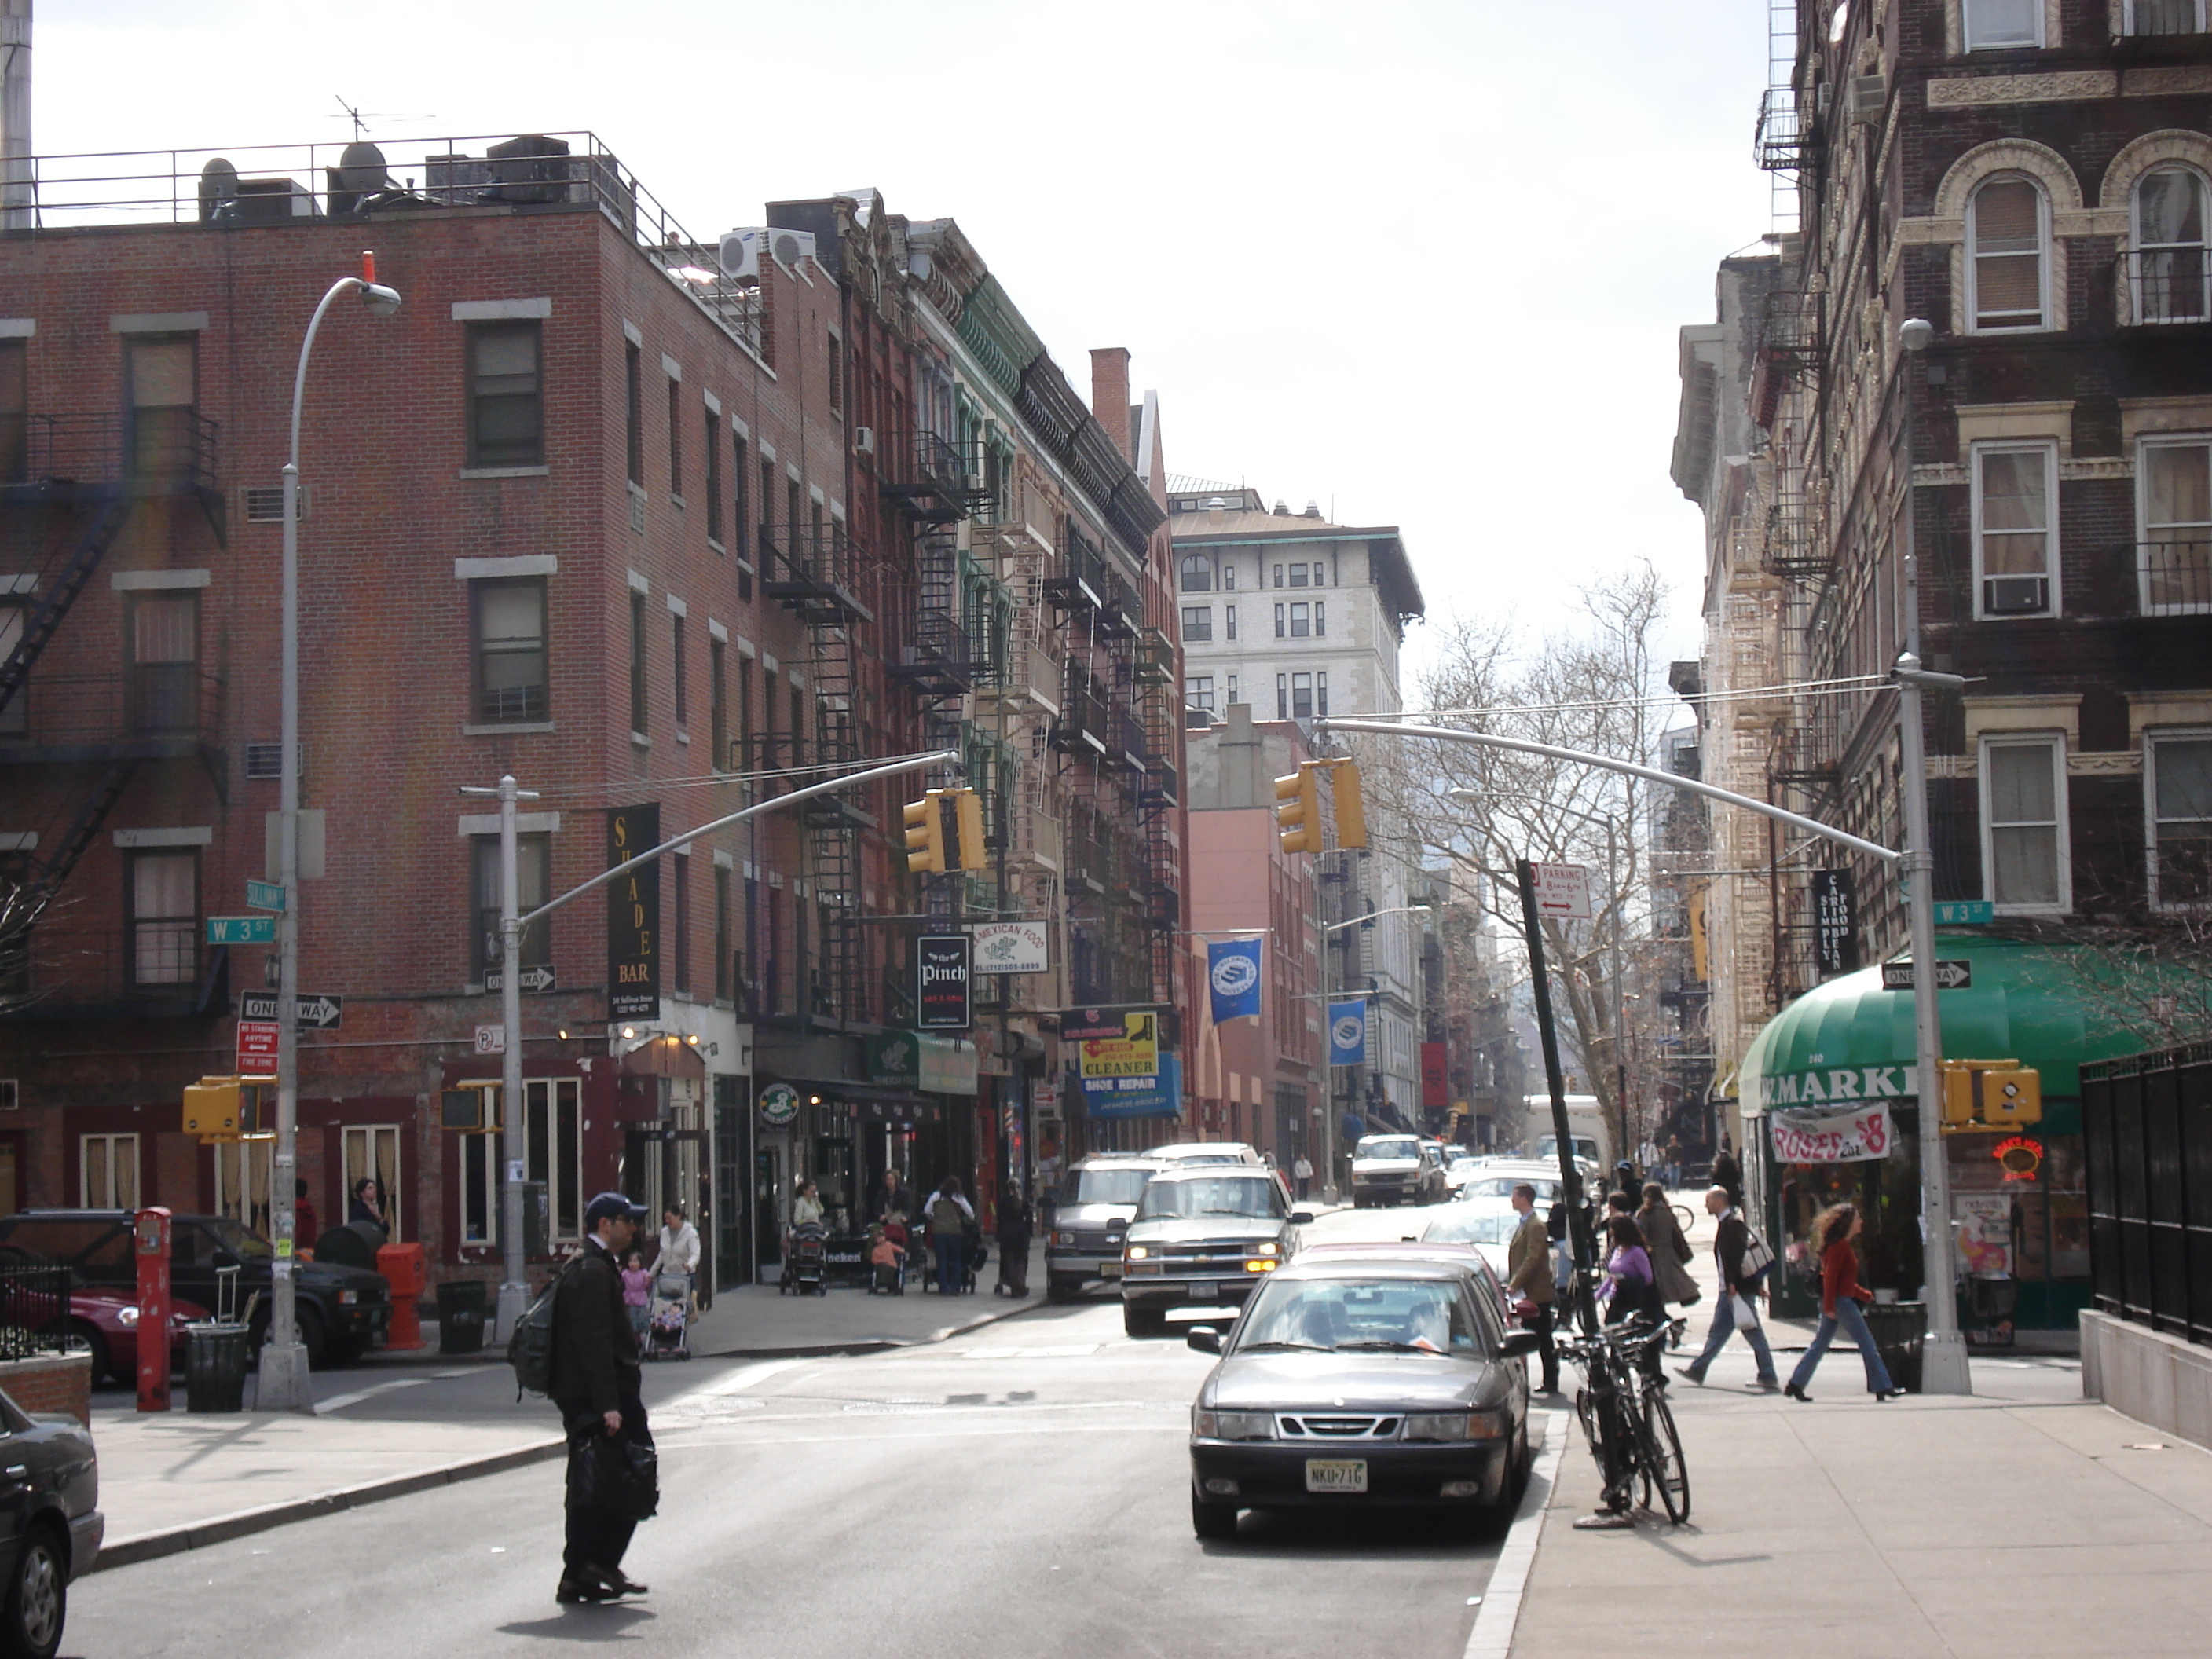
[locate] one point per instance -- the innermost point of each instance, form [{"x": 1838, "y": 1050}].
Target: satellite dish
[
  {"x": 360, "y": 167},
  {"x": 218, "y": 186}
]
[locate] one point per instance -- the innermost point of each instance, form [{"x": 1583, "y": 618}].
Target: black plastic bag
[{"x": 616, "y": 1475}]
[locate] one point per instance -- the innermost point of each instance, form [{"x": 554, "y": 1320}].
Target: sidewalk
[{"x": 757, "y": 1321}]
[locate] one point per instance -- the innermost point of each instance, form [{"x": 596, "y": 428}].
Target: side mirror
[
  {"x": 1302, "y": 1217},
  {"x": 1517, "y": 1343},
  {"x": 225, "y": 1258},
  {"x": 1204, "y": 1338}
]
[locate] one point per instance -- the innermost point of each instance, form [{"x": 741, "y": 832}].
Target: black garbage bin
[
  {"x": 1900, "y": 1329},
  {"x": 214, "y": 1367},
  {"x": 461, "y": 1317}
]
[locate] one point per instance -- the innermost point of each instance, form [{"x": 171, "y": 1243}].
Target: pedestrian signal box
[
  {"x": 1990, "y": 1094},
  {"x": 472, "y": 1109},
  {"x": 219, "y": 1108}
]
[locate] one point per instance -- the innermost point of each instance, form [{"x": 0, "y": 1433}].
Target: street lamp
[{"x": 284, "y": 1383}]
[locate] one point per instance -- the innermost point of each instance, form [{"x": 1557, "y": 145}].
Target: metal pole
[
  {"x": 1619, "y": 1002},
  {"x": 1571, "y": 1179},
  {"x": 1329, "y": 1190},
  {"x": 513, "y": 1291}
]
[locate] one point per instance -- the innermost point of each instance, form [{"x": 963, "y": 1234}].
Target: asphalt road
[{"x": 1021, "y": 1491}]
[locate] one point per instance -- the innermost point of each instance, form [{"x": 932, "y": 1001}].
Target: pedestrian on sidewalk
[
  {"x": 806, "y": 1208},
  {"x": 950, "y": 1218},
  {"x": 1302, "y": 1172},
  {"x": 888, "y": 1199},
  {"x": 1737, "y": 1308},
  {"x": 637, "y": 1292},
  {"x": 1841, "y": 1295},
  {"x": 1629, "y": 1289},
  {"x": 1672, "y": 1157},
  {"x": 307, "y": 1225},
  {"x": 369, "y": 1204},
  {"x": 1671, "y": 1254},
  {"x": 596, "y": 1375},
  {"x": 1013, "y": 1244},
  {"x": 679, "y": 1254},
  {"x": 1727, "y": 1174},
  {"x": 1528, "y": 1276}
]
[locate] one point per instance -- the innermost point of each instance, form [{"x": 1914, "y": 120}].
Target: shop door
[
  {"x": 729, "y": 1256},
  {"x": 11, "y": 1167},
  {"x": 768, "y": 1211},
  {"x": 833, "y": 1178}
]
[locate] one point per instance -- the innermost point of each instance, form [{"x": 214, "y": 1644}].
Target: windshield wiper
[
  {"x": 1388, "y": 1347},
  {"x": 1309, "y": 1348},
  {"x": 1241, "y": 1215}
]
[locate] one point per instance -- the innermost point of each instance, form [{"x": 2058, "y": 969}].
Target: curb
[
  {"x": 1494, "y": 1624},
  {"x": 152, "y": 1545}
]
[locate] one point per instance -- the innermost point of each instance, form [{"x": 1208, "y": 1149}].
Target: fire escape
[
  {"x": 1159, "y": 719},
  {"x": 69, "y": 483}
]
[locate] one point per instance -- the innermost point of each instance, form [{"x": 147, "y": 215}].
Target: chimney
[
  {"x": 16, "y": 195},
  {"x": 1110, "y": 394}
]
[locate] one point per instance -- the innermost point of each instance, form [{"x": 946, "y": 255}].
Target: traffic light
[
  {"x": 1990, "y": 1094},
  {"x": 1351, "y": 810},
  {"x": 214, "y": 1109},
  {"x": 925, "y": 833},
  {"x": 968, "y": 830},
  {"x": 1298, "y": 810}
]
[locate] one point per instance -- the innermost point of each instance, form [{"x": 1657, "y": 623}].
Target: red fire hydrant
[
  {"x": 151, "y": 1230},
  {"x": 404, "y": 1270}
]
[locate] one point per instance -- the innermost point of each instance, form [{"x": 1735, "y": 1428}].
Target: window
[
  {"x": 165, "y": 661},
  {"x": 718, "y": 703},
  {"x": 637, "y": 701},
  {"x": 722, "y": 961},
  {"x": 1282, "y": 625},
  {"x": 1228, "y": 577},
  {"x": 2177, "y": 783},
  {"x": 1320, "y": 573},
  {"x": 1279, "y": 575},
  {"x": 634, "y": 410},
  {"x": 1297, "y": 575},
  {"x": 2175, "y": 560},
  {"x": 15, "y": 410},
  {"x": 1229, "y": 617},
  {"x": 479, "y": 1189},
  {"x": 15, "y": 716},
  {"x": 371, "y": 1151},
  {"x": 676, "y": 654},
  {"x": 107, "y": 1172},
  {"x": 2006, "y": 270},
  {"x": 836, "y": 360},
  {"x": 1198, "y": 574},
  {"x": 1198, "y": 622},
  {"x": 507, "y": 620},
  {"x": 2015, "y": 503},
  {"x": 552, "y": 1152},
  {"x": 1233, "y": 697},
  {"x": 2171, "y": 281},
  {"x": 798, "y": 726},
  {"x": 1997, "y": 24},
  {"x": 2166, "y": 16},
  {"x": 1321, "y": 618},
  {"x": 163, "y": 372},
  {"x": 1282, "y": 696},
  {"x": 1301, "y": 703},
  {"x": 506, "y": 410},
  {"x": 675, "y": 437},
  {"x": 1320, "y": 694},
  {"x": 744, "y": 760},
  {"x": 533, "y": 876},
  {"x": 680, "y": 896},
  {"x": 1301, "y": 621},
  {"x": 2024, "y": 843},
  {"x": 165, "y": 918},
  {"x": 767, "y": 503},
  {"x": 1198, "y": 691},
  {"x": 713, "y": 451},
  {"x": 794, "y": 513},
  {"x": 741, "y": 514}
]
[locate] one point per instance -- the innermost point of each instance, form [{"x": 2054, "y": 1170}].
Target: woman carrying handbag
[
  {"x": 1670, "y": 1251},
  {"x": 1841, "y": 1295}
]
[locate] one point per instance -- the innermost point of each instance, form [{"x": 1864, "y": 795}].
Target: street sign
[
  {"x": 257, "y": 1047},
  {"x": 266, "y": 895},
  {"x": 241, "y": 930},
  {"x": 491, "y": 1039},
  {"x": 1965, "y": 913},
  {"x": 315, "y": 1013},
  {"x": 534, "y": 980},
  {"x": 1563, "y": 892},
  {"x": 1951, "y": 975},
  {"x": 1835, "y": 923}
]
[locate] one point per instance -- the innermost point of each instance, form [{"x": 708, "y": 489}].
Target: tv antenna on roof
[{"x": 361, "y": 119}]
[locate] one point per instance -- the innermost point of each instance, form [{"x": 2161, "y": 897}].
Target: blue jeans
[
  {"x": 951, "y": 1262},
  {"x": 1848, "y": 1315},
  {"x": 1717, "y": 1339}
]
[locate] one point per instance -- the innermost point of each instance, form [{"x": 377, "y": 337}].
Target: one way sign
[
  {"x": 533, "y": 979},
  {"x": 316, "y": 1013},
  {"x": 1951, "y": 975}
]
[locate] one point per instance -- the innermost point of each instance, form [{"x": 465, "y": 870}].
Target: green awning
[{"x": 2050, "y": 1006}]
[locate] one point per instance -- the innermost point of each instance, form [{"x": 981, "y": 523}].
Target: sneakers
[
  {"x": 1692, "y": 1374},
  {"x": 1764, "y": 1385}
]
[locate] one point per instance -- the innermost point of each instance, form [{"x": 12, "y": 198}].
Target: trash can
[
  {"x": 214, "y": 1367},
  {"x": 1899, "y": 1330},
  {"x": 406, "y": 1272},
  {"x": 461, "y": 1317}
]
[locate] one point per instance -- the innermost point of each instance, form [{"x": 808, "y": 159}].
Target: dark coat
[
  {"x": 1728, "y": 1173},
  {"x": 1013, "y": 1224},
  {"x": 594, "y": 1350}
]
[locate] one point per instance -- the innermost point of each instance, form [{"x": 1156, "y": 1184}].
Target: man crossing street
[
  {"x": 596, "y": 1375},
  {"x": 1738, "y": 1307}
]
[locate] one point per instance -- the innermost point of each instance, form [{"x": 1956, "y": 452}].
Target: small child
[
  {"x": 637, "y": 1292},
  {"x": 887, "y": 1258}
]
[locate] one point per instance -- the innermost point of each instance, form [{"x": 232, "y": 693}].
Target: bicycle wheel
[
  {"x": 1684, "y": 1217},
  {"x": 1659, "y": 1450}
]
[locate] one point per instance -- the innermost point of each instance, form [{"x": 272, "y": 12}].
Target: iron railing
[
  {"x": 34, "y": 1308},
  {"x": 152, "y": 451},
  {"x": 63, "y": 975},
  {"x": 2147, "y": 1131},
  {"x": 155, "y": 710},
  {"x": 2164, "y": 285}
]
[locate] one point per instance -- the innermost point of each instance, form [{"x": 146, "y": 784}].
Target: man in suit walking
[
  {"x": 596, "y": 1375},
  {"x": 1528, "y": 1275}
]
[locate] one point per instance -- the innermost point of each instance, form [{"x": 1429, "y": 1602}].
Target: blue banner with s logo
[
  {"x": 1347, "y": 1033},
  {"x": 1232, "y": 974}
]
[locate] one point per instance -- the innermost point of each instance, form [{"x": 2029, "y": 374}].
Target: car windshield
[
  {"x": 1503, "y": 1185},
  {"x": 1388, "y": 1316},
  {"x": 246, "y": 1246},
  {"x": 1246, "y": 1195},
  {"x": 1104, "y": 1186},
  {"x": 1388, "y": 1146},
  {"x": 1192, "y": 1160},
  {"x": 1548, "y": 1147},
  {"x": 1481, "y": 1227}
]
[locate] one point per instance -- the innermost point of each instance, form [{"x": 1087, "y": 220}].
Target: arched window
[
  {"x": 2169, "y": 272},
  {"x": 1197, "y": 574},
  {"x": 2008, "y": 283}
]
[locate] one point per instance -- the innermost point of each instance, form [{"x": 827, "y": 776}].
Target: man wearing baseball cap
[{"x": 595, "y": 1383}]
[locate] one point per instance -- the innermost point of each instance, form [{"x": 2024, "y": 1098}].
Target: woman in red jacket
[{"x": 1841, "y": 1293}]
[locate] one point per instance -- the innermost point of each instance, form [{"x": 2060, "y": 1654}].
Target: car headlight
[
  {"x": 1063, "y": 1238},
  {"x": 1270, "y": 1248},
  {"x": 346, "y": 1299},
  {"x": 1233, "y": 1426},
  {"x": 126, "y": 1316},
  {"x": 1455, "y": 1426},
  {"x": 1137, "y": 1252}
]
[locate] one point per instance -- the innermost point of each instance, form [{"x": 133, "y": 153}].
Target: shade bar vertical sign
[{"x": 634, "y": 914}]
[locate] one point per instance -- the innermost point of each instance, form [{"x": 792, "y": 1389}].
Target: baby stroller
[
  {"x": 802, "y": 1261},
  {"x": 668, "y": 1318}
]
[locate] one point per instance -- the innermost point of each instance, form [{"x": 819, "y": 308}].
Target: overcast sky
[{"x": 1421, "y": 260}]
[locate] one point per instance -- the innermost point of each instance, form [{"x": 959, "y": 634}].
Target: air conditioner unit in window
[
  {"x": 2016, "y": 596},
  {"x": 740, "y": 250},
  {"x": 1869, "y": 96},
  {"x": 863, "y": 441}
]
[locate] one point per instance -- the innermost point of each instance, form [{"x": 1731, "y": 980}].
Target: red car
[{"x": 108, "y": 1325}]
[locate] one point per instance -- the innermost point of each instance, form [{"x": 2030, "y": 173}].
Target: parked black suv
[{"x": 343, "y": 1311}]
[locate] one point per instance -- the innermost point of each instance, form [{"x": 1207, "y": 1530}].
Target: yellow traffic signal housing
[
  {"x": 214, "y": 1109},
  {"x": 1350, "y": 810},
  {"x": 1990, "y": 1094},
  {"x": 1297, "y": 811},
  {"x": 968, "y": 830},
  {"x": 925, "y": 833}
]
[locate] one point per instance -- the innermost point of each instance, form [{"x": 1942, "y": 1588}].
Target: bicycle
[{"x": 1625, "y": 1418}]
